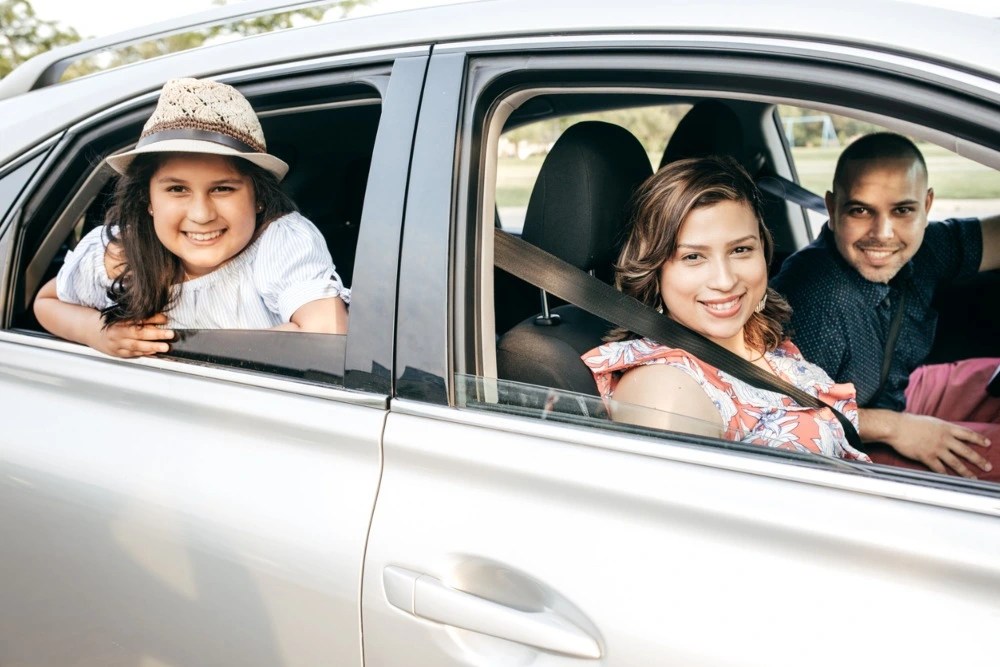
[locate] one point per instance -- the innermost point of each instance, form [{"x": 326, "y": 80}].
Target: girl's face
[
  {"x": 718, "y": 273},
  {"x": 203, "y": 210}
]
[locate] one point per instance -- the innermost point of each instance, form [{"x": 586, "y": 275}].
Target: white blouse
[{"x": 287, "y": 267}]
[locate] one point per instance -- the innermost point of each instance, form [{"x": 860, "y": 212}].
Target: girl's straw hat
[{"x": 200, "y": 116}]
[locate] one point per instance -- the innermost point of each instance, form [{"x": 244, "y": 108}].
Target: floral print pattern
[{"x": 748, "y": 414}]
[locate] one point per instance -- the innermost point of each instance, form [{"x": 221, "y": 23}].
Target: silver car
[{"x": 397, "y": 496}]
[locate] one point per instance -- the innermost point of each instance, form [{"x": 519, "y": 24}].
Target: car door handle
[{"x": 424, "y": 596}]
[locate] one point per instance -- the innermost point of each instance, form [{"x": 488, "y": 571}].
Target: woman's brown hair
[{"x": 659, "y": 208}]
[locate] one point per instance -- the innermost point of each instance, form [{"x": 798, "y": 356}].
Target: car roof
[{"x": 968, "y": 43}]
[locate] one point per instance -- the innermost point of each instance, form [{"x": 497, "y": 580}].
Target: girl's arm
[
  {"x": 82, "y": 324},
  {"x": 320, "y": 316}
]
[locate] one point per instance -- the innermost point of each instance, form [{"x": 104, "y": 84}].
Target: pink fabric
[{"x": 955, "y": 392}]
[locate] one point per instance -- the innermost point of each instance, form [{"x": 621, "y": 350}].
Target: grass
[{"x": 952, "y": 176}]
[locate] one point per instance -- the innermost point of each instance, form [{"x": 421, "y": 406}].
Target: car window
[
  {"x": 325, "y": 133},
  {"x": 545, "y": 380}
]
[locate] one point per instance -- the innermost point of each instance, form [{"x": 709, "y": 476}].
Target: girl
[
  {"x": 199, "y": 235},
  {"x": 698, "y": 251}
]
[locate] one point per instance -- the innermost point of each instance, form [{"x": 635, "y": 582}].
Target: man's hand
[
  {"x": 941, "y": 446},
  {"x": 136, "y": 339}
]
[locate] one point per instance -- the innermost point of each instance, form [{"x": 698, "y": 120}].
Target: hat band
[{"x": 198, "y": 135}]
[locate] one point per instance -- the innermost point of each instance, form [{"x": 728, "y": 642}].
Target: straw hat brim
[{"x": 121, "y": 161}]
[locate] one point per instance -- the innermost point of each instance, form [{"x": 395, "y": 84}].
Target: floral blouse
[{"x": 751, "y": 415}]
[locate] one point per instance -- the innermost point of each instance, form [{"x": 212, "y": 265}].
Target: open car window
[
  {"x": 324, "y": 129},
  {"x": 518, "y": 375}
]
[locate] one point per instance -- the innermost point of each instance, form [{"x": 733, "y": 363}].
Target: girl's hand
[{"x": 137, "y": 339}]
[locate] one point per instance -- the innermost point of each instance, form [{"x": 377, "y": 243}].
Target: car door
[
  {"x": 212, "y": 506},
  {"x": 511, "y": 534}
]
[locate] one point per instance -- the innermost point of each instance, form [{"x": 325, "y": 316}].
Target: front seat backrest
[
  {"x": 577, "y": 212},
  {"x": 708, "y": 128}
]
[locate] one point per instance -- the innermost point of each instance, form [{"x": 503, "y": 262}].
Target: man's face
[{"x": 878, "y": 216}]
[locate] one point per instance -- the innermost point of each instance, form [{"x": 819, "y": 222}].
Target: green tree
[
  {"x": 193, "y": 39},
  {"x": 23, "y": 35}
]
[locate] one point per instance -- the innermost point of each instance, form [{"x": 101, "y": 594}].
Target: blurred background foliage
[{"x": 24, "y": 35}]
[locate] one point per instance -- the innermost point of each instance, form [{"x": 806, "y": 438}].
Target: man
[{"x": 877, "y": 253}]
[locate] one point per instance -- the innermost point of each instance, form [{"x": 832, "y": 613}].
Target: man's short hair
[{"x": 877, "y": 146}]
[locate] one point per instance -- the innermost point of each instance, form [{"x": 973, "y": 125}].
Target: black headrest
[
  {"x": 578, "y": 204},
  {"x": 708, "y": 128}
]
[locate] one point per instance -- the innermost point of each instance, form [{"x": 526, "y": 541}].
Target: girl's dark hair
[
  {"x": 659, "y": 208},
  {"x": 148, "y": 271}
]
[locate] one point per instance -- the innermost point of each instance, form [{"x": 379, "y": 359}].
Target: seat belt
[
  {"x": 793, "y": 192},
  {"x": 548, "y": 272},
  {"x": 890, "y": 343}
]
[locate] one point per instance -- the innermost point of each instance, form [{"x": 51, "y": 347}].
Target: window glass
[
  {"x": 12, "y": 183},
  {"x": 538, "y": 362}
]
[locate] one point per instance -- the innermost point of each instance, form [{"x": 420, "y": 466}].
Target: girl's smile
[{"x": 203, "y": 210}]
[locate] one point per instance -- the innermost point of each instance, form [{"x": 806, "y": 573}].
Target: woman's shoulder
[{"x": 625, "y": 354}]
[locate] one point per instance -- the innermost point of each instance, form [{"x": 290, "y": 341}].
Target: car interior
[{"x": 588, "y": 171}]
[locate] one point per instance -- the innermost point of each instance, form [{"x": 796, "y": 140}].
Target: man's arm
[
  {"x": 937, "y": 444},
  {"x": 991, "y": 243}
]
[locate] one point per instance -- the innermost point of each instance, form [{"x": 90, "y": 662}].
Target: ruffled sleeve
[
  {"x": 293, "y": 267},
  {"x": 83, "y": 278}
]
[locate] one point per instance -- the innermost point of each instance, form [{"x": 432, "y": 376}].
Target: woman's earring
[
  {"x": 760, "y": 306},
  {"x": 150, "y": 211},
  {"x": 260, "y": 208}
]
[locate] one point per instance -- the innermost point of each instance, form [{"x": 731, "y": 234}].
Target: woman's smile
[{"x": 724, "y": 308}]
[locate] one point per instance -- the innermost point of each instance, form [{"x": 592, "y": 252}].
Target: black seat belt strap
[
  {"x": 548, "y": 272},
  {"x": 890, "y": 341},
  {"x": 793, "y": 192}
]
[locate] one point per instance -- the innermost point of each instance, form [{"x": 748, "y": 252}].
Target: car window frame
[{"x": 460, "y": 212}]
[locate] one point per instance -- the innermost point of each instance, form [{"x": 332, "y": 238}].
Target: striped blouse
[{"x": 287, "y": 267}]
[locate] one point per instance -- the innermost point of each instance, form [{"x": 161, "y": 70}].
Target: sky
[{"x": 100, "y": 17}]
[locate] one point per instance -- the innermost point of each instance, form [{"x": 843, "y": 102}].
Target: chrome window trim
[
  {"x": 829, "y": 52},
  {"x": 35, "y": 151},
  {"x": 250, "y": 379},
  {"x": 703, "y": 456}
]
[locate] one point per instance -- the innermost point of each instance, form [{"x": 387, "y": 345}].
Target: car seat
[
  {"x": 577, "y": 211},
  {"x": 711, "y": 127}
]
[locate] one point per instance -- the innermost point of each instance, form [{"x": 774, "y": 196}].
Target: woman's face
[
  {"x": 203, "y": 210},
  {"x": 718, "y": 273}
]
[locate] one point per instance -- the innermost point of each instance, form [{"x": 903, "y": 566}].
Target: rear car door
[
  {"x": 211, "y": 506},
  {"x": 506, "y": 533}
]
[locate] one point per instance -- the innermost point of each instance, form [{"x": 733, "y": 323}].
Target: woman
[{"x": 698, "y": 251}]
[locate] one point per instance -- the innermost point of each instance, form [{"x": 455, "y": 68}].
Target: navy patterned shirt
[{"x": 841, "y": 321}]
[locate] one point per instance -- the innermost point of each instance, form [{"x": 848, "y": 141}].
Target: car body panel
[
  {"x": 666, "y": 561},
  {"x": 186, "y": 522}
]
